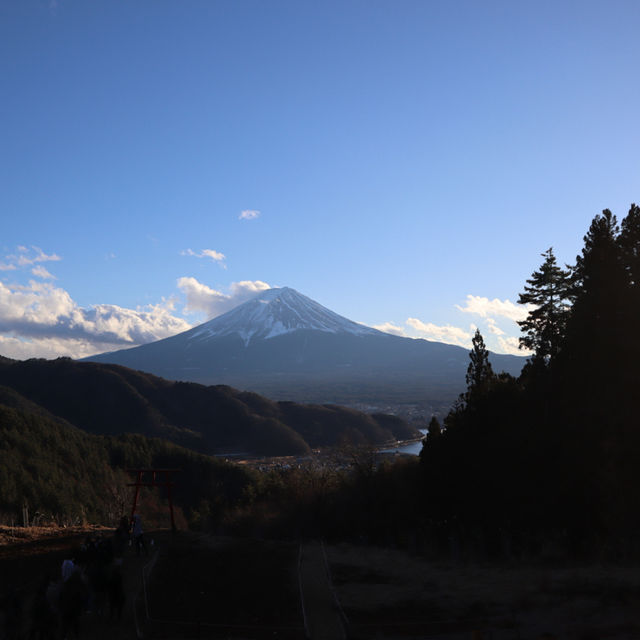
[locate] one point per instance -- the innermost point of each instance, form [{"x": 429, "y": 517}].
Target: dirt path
[{"x": 323, "y": 620}]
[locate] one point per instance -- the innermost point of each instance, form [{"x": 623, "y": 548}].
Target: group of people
[
  {"x": 129, "y": 531},
  {"x": 90, "y": 581}
]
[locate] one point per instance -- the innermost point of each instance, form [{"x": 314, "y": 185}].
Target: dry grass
[
  {"x": 578, "y": 602},
  {"x": 16, "y": 535}
]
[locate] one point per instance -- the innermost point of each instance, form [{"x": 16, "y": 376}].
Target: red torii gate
[{"x": 156, "y": 481}]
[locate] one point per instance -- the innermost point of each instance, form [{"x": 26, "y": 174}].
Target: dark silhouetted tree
[
  {"x": 479, "y": 371},
  {"x": 434, "y": 429},
  {"x": 594, "y": 337},
  {"x": 552, "y": 455},
  {"x": 629, "y": 243},
  {"x": 548, "y": 290}
]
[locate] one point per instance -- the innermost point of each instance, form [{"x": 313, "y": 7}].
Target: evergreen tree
[
  {"x": 479, "y": 371},
  {"x": 479, "y": 376},
  {"x": 553, "y": 454},
  {"x": 629, "y": 243},
  {"x": 598, "y": 291},
  {"x": 434, "y": 429},
  {"x": 598, "y": 268},
  {"x": 598, "y": 371},
  {"x": 548, "y": 289}
]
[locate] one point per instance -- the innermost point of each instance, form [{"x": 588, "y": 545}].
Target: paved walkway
[{"x": 323, "y": 619}]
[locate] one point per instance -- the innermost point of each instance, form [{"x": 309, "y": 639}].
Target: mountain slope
[
  {"x": 64, "y": 474},
  {"x": 287, "y": 346},
  {"x": 111, "y": 400},
  {"x": 276, "y": 312}
]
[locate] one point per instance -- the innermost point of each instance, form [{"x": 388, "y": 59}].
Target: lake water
[{"x": 413, "y": 448}]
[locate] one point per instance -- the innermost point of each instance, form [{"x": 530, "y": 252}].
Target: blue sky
[{"x": 403, "y": 163}]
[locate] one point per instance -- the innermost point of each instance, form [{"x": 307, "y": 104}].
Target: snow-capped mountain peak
[{"x": 275, "y": 312}]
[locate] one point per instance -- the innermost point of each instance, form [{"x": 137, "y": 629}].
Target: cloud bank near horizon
[
  {"x": 40, "y": 319},
  {"x": 489, "y": 311},
  {"x": 415, "y": 328}
]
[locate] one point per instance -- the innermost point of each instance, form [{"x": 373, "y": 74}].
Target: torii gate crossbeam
[{"x": 157, "y": 480}]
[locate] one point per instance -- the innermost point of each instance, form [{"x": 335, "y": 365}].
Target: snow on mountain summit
[{"x": 275, "y": 312}]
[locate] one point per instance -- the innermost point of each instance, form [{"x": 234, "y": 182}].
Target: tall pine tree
[
  {"x": 548, "y": 290},
  {"x": 629, "y": 243},
  {"x": 594, "y": 334},
  {"x": 479, "y": 371}
]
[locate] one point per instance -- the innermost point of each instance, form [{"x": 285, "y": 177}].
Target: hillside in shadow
[{"x": 111, "y": 400}]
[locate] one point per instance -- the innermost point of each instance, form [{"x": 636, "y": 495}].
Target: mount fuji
[
  {"x": 276, "y": 312},
  {"x": 288, "y": 347}
]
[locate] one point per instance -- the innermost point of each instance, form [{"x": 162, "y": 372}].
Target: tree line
[{"x": 549, "y": 460}]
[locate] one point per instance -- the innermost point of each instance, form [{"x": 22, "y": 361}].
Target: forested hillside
[
  {"x": 52, "y": 471},
  {"x": 111, "y": 400},
  {"x": 68, "y": 432}
]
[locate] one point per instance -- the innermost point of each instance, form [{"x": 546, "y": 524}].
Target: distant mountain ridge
[
  {"x": 287, "y": 346},
  {"x": 113, "y": 400}
]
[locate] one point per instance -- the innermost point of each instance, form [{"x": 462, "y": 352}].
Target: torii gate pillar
[{"x": 156, "y": 480}]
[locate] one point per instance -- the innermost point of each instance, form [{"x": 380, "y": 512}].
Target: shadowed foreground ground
[
  {"x": 391, "y": 594},
  {"x": 210, "y": 587}
]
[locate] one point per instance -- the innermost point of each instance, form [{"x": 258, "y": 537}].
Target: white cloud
[
  {"x": 200, "y": 297},
  {"x": 246, "y": 289},
  {"x": 393, "y": 329},
  {"x": 41, "y": 272},
  {"x": 23, "y": 348},
  {"x": 249, "y": 214},
  {"x": 486, "y": 308},
  {"x": 450, "y": 334},
  {"x": 490, "y": 310},
  {"x": 204, "y": 299},
  {"x": 42, "y": 316},
  {"x": 494, "y": 328},
  {"x": 446, "y": 333},
  {"x": 27, "y": 257},
  {"x": 511, "y": 345},
  {"x": 216, "y": 256}
]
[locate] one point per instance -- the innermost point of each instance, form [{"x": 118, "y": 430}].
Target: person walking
[
  {"x": 138, "y": 537},
  {"x": 120, "y": 538}
]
